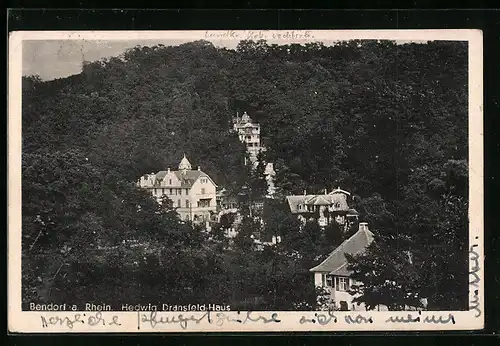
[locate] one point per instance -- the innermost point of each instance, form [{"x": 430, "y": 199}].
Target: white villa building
[
  {"x": 325, "y": 208},
  {"x": 332, "y": 274},
  {"x": 192, "y": 191}
]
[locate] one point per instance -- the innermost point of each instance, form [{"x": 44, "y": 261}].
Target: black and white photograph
[{"x": 248, "y": 173}]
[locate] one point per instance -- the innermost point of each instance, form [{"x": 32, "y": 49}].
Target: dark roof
[
  {"x": 187, "y": 178},
  {"x": 294, "y": 201},
  {"x": 318, "y": 200},
  {"x": 336, "y": 263}
]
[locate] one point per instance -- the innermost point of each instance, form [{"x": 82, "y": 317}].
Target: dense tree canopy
[{"x": 386, "y": 121}]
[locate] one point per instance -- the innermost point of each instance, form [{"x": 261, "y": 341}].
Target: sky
[{"x": 51, "y": 59}]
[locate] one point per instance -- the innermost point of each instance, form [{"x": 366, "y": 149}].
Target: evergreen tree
[{"x": 258, "y": 181}]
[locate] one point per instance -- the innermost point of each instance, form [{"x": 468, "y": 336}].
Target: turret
[{"x": 184, "y": 165}]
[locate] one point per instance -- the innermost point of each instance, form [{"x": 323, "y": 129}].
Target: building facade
[
  {"x": 270, "y": 174},
  {"x": 192, "y": 192},
  {"x": 325, "y": 208},
  {"x": 249, "y": 133},
  {"x": 333, "y": 276}
]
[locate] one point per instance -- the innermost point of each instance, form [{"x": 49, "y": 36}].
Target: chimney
[
  {"x": 168, "y": 169},
  {"x": 305, "y": 192},
  {"x": 199, "y": 168},
  {"x": 326, "y": 192}
]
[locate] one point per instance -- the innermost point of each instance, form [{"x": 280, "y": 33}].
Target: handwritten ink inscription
[
  {"x": 75, "y": 319},
  {"x": 321, "y": 319},
  {"x": 358, "y": 319},
  {"x": 474, "y": 282},
  {"x": 255, "y": 35},
  {"x": 410, "y": 318},
  {"x": 154, "y": 318}
]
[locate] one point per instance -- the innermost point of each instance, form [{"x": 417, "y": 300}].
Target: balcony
[{"x": 206, "y": 195}]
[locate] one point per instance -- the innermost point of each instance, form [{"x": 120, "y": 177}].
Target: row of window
[
  {"x": 178, "y": 192},
  {"x": 248, "y": 137},
  {"x": 197, "y": 218},
  {"x": 163, "y": 191},
  {"x": 202, "y": 180},
  {"x": 339, "y": 283},
  {"x": 313, "y": 208},
  {"x": 202, "y": 203}
]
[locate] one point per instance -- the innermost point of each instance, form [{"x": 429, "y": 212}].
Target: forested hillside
[{"x": 385, "y": 121}]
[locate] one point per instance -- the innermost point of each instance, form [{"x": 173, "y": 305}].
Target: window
[
  {"x": 179, "y": 191},
  {"x": 300, "y": 207},
  {"x": 187, "y": 203},
  {"x": 178, "y": 203},
  {"x": 341, "y": 284},
  {"x": 162, "y": 191},
  {"x": 202, "y": 190},
  {"x": 170, "y": 182},
  {"x": 203, "y": 203},
  {"x": 327, "y": 280},
  {"x": 187, "y": 191},
  {"x": 171, "y": 192}
]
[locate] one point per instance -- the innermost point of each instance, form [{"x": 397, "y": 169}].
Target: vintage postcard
[{"x": 211, "y": 181}]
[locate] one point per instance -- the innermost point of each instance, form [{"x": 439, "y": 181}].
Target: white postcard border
[{"x": 265, "y": 321}]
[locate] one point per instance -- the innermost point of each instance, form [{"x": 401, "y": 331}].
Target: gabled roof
[
  {"x": 318, "y": 200},
  {"x": 187, "y": 178},
  {"x": 245, "y": 118},
  {"x": 294, "y": 201},
  {"x": 339, "y": 190},
  {"x": 161, "y": 174},
  {"x": 352, "y": 212},
  {"x": 336, "y": 263}
]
